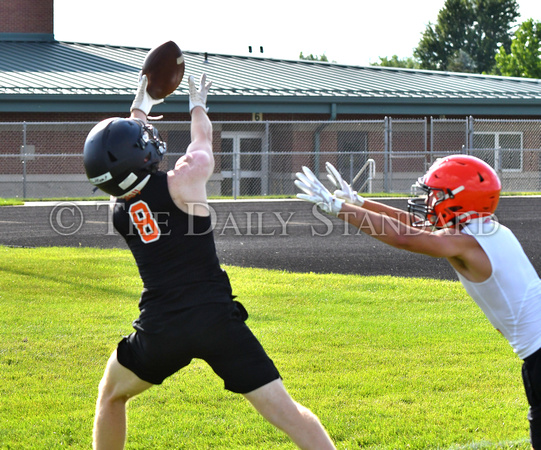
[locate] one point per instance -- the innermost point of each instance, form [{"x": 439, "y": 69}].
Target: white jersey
[{"x": 511, "y": 296}]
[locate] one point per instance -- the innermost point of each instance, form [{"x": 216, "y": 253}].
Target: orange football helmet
[{"x": 458, "y": 188}]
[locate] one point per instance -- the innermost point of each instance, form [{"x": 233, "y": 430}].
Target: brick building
[{"x": 297, "y": 109}]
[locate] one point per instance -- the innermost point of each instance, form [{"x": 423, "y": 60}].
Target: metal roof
[{"x": 68, "y": 76}]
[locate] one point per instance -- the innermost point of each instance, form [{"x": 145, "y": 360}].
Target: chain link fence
[{"x": 44, "y": 160}]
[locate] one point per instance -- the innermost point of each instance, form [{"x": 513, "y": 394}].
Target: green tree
[
  {"x": 492, "y": 29},
  {"x": 395, "y": 61},
  {"x": 467, "y": 35},
  {"x": 524, "y": 58},
  {"x": 441, "y": 41},
  {"x": 461, "y": 61},
  {"x": 311, "y": 57}
]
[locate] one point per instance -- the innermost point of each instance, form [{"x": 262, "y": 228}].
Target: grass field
[
  {"x": 21, "y": 201},
  {"x": 386, "y": 363}
]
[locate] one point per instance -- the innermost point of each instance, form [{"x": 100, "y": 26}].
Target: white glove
[
  {"x": 198, "y": 95},
  {"x": 317, "y": 193},
  {"x": 143, "y": 101},
  {"x": 344, "y": 191}
]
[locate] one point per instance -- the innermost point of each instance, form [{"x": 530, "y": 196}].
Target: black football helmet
[{"x": 121, "y": 154}]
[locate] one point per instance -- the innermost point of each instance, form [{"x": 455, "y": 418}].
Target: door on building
[
  {"x": 352, "y": 156},
  {"x": 244, "y": 164},
  {"x": 501, "y": 150}
]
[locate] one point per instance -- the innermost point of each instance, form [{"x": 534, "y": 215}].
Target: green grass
[
  {"x": 11, "y": 201},
  {"x": 20, "y": 201},
  {"x": 385, "y": 362}
]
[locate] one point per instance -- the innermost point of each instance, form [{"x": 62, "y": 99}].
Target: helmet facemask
[
  {"x": 151, "y": 136},
  {"x": 150, "y": 140},
  {"x": 428, "y": 210}
]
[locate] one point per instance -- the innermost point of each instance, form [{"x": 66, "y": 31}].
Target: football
[{"x": 164, "y": 68}]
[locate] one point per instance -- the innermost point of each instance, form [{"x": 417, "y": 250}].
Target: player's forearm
[
  {"x": 379, "y": 225},
  {"x": 389, "y": 211},
  {"x": 201, "y": 131}
]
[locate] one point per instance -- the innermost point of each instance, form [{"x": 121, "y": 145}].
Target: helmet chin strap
[{"x": 137, "y": 189}]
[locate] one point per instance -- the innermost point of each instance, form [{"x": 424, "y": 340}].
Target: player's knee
[
  {"x": 110, "y": 397},
  {"x": 293, "y": 413},
  {"x": 109, "y": 392},
  {"x": 306, "y": 414}
]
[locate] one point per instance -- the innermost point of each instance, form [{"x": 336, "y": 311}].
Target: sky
[{"x": 353, "y": 32}]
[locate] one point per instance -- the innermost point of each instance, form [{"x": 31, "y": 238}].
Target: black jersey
[{"x": 175, "y": 252}]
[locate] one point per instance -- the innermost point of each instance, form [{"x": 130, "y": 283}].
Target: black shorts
[
  {"x": 531, "y": 375},
  {"x": 215, "y": 333}
]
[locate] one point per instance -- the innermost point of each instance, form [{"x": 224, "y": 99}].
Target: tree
[
  {"x": 524, "y": 57},
  {"x": 461, "y": 61},
  {"x": 311, "y": 57},
  {"x": 441, "y": 42},
  {"x": 467, "y": 35},
  {"x": 406, "y": 63},
  {"x": 495, "y": 20}
]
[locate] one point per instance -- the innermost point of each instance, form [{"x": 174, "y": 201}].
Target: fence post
[
  {"x": 431, "y": 154},
  {"x": 265, "y": 164},
  {"x": 317, "y": 147},
  {"x": 469, "y": 133},
  {"x": 24, "y": 160},
  {"x": 497, "y": 161},
  {"x": 236, "y": 170},
  {"x": 386, "y": 153}
]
